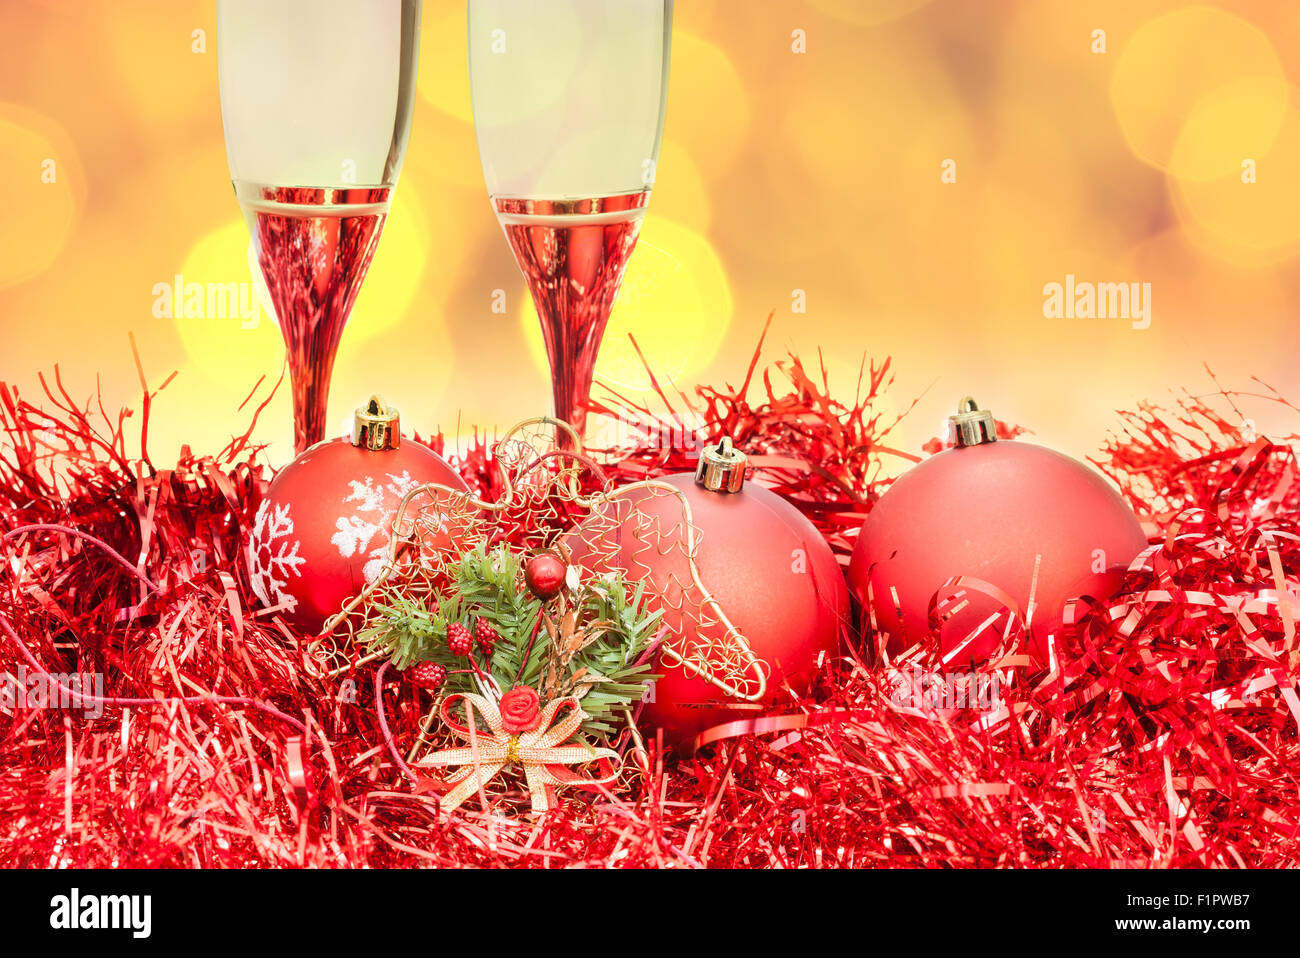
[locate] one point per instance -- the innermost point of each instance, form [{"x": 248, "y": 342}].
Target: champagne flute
[
  {"x": 569, "y": 99},
  {"x": 316, "y": 99}
]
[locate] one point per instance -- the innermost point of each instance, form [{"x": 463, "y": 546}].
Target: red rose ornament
[{"x": 520, "y": 710}]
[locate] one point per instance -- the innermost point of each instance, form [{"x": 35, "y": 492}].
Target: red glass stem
[
  {"x": 314, "y": 267},
  {"x": 574, "y": 272}
]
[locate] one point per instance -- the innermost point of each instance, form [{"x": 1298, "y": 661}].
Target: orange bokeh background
[{"x": 1112, "y": 140}]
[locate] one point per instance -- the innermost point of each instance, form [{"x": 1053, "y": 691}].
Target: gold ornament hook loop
[
  {"x": 376, "y": 426},
  {"x": 971, "y": 426}
]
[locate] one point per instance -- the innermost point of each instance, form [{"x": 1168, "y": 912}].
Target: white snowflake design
[
  {"x": 370, "y": 520},
  {"x": 269, "y": 565}
]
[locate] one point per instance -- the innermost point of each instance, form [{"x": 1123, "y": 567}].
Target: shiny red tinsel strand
[{"x": 1163, "y": 734}]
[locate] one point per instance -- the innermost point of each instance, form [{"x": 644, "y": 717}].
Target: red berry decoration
[
  {"x": 321, "y": 533},
  {"x": 1007, "y": 513},
  {"x": 428, "y": 675},
  {"x": 459, "y": 639},
  {"x": 485, "y": 635},
  {"x": 545, "y": 574}
]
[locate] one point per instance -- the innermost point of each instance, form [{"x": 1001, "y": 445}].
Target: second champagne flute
[{"x": 569, "y": 99}]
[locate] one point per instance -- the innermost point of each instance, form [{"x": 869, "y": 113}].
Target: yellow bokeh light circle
[
  {"x": 680, "y": 192},
  {"x": 44, "y": 193},
  {"x": 443, "y": 79},
  {"x": 708, "y": 105},
  {"x": 1249, "y": 223},
  {"x": 856, "y": 168},
  {"x": 165, "y": 56},
  {"x": 1170, "y": 64},
  {"x": 398, "y": 267},
  {"x": 885, "y": 145},
  {"x": 1237, "y": 120},
  {"x": 443, "y": 148},
  {"x": 675, "y": 300},
  {"x": 233, "y": 349}
]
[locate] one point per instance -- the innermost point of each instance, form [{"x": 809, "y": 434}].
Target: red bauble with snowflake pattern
[{"x": 322, "y": 533}]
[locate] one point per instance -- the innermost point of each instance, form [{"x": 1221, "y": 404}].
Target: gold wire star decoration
[{"x": 630, "y": 530}]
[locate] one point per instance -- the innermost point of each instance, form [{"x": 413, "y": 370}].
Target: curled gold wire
[{"x": 747, "y": 681}]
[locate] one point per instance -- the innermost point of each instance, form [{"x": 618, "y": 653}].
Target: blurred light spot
[
  {"x": 190, "y": 411},
  {"x": 880, "y": 146},
  {"x": 398, "y": 266},
  {"x": 41, "y": 213},
  {"x": 220, "y": 347},
  {"x": 153, "y": 48},
  {"x": 680, "y": 193},
  {"x": 444, "y": 68},
  {"x": 1238, "y": 120},
  {"x": 675, "y": 300},
  {"x": 708, "y": 104},
  {"x": 1170, "y": 63},
  {"x": 1249, "y": 223},
  {"x": 852, "y": 173},
  {"x": 412, "y": 366},
  {"x": 443, "y": 148}
]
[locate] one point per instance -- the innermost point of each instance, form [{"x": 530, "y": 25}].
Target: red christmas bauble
[
  {"x": 767, "y": 566},
  {"x": 1008, "y": 513},
  {"x": 322, "y": 532}
]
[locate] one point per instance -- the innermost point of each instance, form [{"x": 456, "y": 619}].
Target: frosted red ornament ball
[
  {"x": 767, "y": 566},
  {"x": 1011, "y": 514}
]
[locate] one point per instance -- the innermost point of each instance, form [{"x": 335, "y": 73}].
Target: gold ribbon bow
[{"x": 541, "y": 752}]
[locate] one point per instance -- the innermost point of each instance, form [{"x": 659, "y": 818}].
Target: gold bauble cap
[
  {"x": 721, "y": 467},
  {"x": 376, "y": 426},
  {"x": 971, "y": 426}
]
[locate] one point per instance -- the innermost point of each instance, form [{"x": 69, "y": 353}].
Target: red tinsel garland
[{"x": 1165, "y": 734}]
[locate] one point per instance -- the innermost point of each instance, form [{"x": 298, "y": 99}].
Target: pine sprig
[
  {"x": 590, "y": 646},
  {"x": 483, "y": 585},
  {"x": 599, "y": 660}
]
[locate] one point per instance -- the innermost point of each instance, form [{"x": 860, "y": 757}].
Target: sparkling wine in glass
[
  {"x": 316, "y": 99},
  {"x": 569, "y": 99}
]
